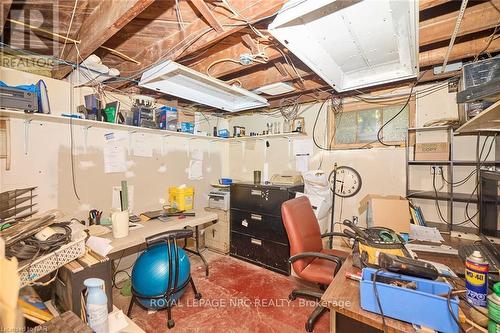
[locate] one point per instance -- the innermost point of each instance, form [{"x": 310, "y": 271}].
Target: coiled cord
[{"x": 31, "y": 248}]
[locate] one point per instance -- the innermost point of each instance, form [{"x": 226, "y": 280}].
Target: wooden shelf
[
  {"x": 119, "y": 127},
  {"x": 486, "y": 121}
]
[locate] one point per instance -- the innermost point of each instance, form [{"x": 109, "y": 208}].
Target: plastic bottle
[
  {"x": 494, "y": 310},
  {"x": 97, "y": 305}
]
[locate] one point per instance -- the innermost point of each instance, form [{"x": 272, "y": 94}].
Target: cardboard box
[
  {"x": 434, "y": 151},
  {"x": 389, "y": 211}
]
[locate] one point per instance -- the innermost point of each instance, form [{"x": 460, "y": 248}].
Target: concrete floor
[{"x": 236, "y": 297}]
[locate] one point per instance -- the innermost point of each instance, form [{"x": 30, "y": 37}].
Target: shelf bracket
[
  {"x": 27, "y": 123},
  {"x": 85, "y": 130}
]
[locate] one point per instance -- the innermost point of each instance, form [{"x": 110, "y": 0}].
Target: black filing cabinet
[{"x": 257, "y": 233}]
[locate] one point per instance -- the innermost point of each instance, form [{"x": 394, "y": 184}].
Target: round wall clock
[{"x": 348, "y": 182}]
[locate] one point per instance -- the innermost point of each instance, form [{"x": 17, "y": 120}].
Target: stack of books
[{"x": 416, "y": 215}]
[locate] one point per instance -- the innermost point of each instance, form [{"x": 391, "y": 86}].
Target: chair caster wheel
[
  {"x": 197, "y": 296},
  {"x": 170, "y": 323},
  {"x": 292, "y": 297}
]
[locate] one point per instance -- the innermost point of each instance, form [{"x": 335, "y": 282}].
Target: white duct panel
[{"x": 352, "y": 44}]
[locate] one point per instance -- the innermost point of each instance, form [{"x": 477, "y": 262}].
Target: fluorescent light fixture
[
  {"x": 175, "y": 79},
  {"x": 352, "y": 44},
  {"x": 275, "y": 89}
]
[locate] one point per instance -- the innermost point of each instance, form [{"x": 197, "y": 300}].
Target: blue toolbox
[{"x": 424, "y": 303}]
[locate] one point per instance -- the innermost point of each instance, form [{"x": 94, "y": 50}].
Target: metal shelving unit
[{"x": 450, "y": 195}]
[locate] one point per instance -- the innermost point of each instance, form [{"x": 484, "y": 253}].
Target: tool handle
[{"x": 361, "y": 233}]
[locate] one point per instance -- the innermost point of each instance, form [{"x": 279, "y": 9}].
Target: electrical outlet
[{"x": 436, "y": 170}]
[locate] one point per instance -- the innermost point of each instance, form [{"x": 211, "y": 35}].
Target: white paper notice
[
  {"x": 114, "y": 154},
  {"x": 303, "y": 147},
  {"x": 117, "y": 321},
  {"x": 302, "y": 163},
  {"x": 114, "y": 158},
  {"x": 116, "y": 202},
  {"x": 195, "y": 171},
  {"x": 422, "y": 233},
  {"x": 142, "y": 146},
  {"x": 99, "y": 245}
]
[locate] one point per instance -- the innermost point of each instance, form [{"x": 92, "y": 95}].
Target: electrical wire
[
  {"x": 375, "y": 291},
  {"x": 69, "y": 28}
]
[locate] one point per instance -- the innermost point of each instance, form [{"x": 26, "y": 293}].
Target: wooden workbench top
[{"x": 343, "y": 297}]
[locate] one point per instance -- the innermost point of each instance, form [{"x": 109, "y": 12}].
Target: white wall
[
  {"x": 382, "y": 169},
  {"x": 47, "y": 163}
]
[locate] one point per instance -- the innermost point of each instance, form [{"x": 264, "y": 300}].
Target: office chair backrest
[{"x": 302, "y": 228}]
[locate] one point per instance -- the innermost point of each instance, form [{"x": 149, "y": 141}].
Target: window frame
[{"x": 362, "y": 106}]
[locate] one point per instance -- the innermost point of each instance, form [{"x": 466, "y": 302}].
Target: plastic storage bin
[
  {"x": 422, "y": 306},
  {"x": 181, "y": 198}
]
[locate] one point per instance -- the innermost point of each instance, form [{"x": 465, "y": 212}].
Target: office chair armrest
[
  {"x": 339, "y": 234},
  {"x": 330, "y": 257}
]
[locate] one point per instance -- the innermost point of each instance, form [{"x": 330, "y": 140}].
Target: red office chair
[{"x": 309, "y": 259}]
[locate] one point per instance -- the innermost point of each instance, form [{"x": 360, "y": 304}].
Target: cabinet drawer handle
[
  {"x": 256, "y": 241},
  {"x": 256, "y": 217},
  {"x": 256, "y": 192}
]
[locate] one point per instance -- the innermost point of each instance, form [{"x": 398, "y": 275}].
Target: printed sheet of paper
[
  {"x": 302, "y": 163},
  {"x": 99, "y": 245},
  {"x": 114, "y": 154},
  {"x": 303, "y": 147},
  {"x": 422, "y": 233},
  {"x": 195, "y": 170},
  {"x": 142, "y": 146}
]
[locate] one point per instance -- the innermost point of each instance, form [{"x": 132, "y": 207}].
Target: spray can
[
  {"x": 494, "y": 310},
  {"x": 476, "y": 279}
]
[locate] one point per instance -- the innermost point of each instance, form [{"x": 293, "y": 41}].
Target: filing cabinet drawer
[
  {"x": 260, "y": 226},
  {"x": 260, "y": 198},
  {"x": 262, "y": 252}
]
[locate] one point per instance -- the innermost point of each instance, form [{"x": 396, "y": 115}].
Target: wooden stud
[{"x": 202, "y": 7}]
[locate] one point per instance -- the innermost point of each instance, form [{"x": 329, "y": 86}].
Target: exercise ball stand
[{"x": 170, "y": 239}]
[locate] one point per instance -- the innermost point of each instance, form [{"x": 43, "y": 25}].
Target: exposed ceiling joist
[
  {"x": 460, "y": 51},
  {"x": 426, "y": 4},
  {"x": 480, "y": 17},
  {"x": 233, "y": 52},
  {"x": 4, "y": 12},
  {"x": 196, "y": 36},
  {"x": 270, "y": 75},
  {"x": 105, "y": 21},
  {"x": 202, "y": 7}
]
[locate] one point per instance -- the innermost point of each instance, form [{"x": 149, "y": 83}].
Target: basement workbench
[{"x": 343, "y": 300}]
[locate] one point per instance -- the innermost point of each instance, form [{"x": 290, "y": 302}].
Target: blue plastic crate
[{"x": 422, "y": 306}]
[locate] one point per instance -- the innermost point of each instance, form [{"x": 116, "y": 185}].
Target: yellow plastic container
[{"x": 181, "y": 198}]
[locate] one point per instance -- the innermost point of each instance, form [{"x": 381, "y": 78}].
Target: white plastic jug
[{"x": 119, "y": 221}]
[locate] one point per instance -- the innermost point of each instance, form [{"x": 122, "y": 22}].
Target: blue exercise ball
[{"x": 151, "y": 273}]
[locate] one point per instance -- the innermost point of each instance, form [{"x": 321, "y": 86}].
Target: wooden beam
[
  {"x": 250, "y": 43},
  {"x": 270, "y": 74},
  {"x": 106, "y": 20},
  {"x": 230, "y": 68},
  {"x": 195, "y": 37},
  {"x": 4, "y": 12},
  {"x": 202, "y": 7},
  {"x": 426, "y": 4},
  {"x": 483, "y": 16},
  {"x": 460, "y": 51}
]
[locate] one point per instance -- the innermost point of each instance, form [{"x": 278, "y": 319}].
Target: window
[{"x": 358, "y": 124}]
